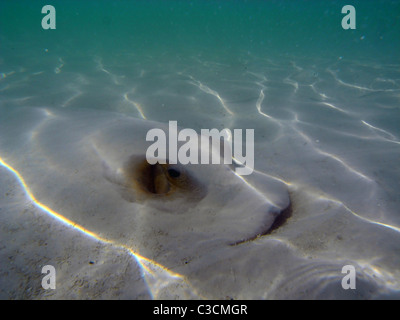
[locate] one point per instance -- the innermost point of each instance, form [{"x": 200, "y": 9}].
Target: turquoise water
[
  {"x": 215, "y": 28},
  {"x": 324, "y": 103},
  {"x": 219, "y": 40}
]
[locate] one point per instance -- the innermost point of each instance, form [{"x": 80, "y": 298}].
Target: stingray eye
[
  {"x": 173, "y": 173},
  {"x": 160, "y": 179}
]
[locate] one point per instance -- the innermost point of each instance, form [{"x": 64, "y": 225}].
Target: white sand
[{"x": 328, "y": 130}]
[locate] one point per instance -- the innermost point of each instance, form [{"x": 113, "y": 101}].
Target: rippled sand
[{"x": 328, "y": 129}]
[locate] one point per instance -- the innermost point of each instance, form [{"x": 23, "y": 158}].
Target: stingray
[
  {"x": 90, "y": 167},
  {"x": 224, "y": 234}
]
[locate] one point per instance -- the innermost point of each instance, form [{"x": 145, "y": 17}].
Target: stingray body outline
[{"x": 46, "y": 139}]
